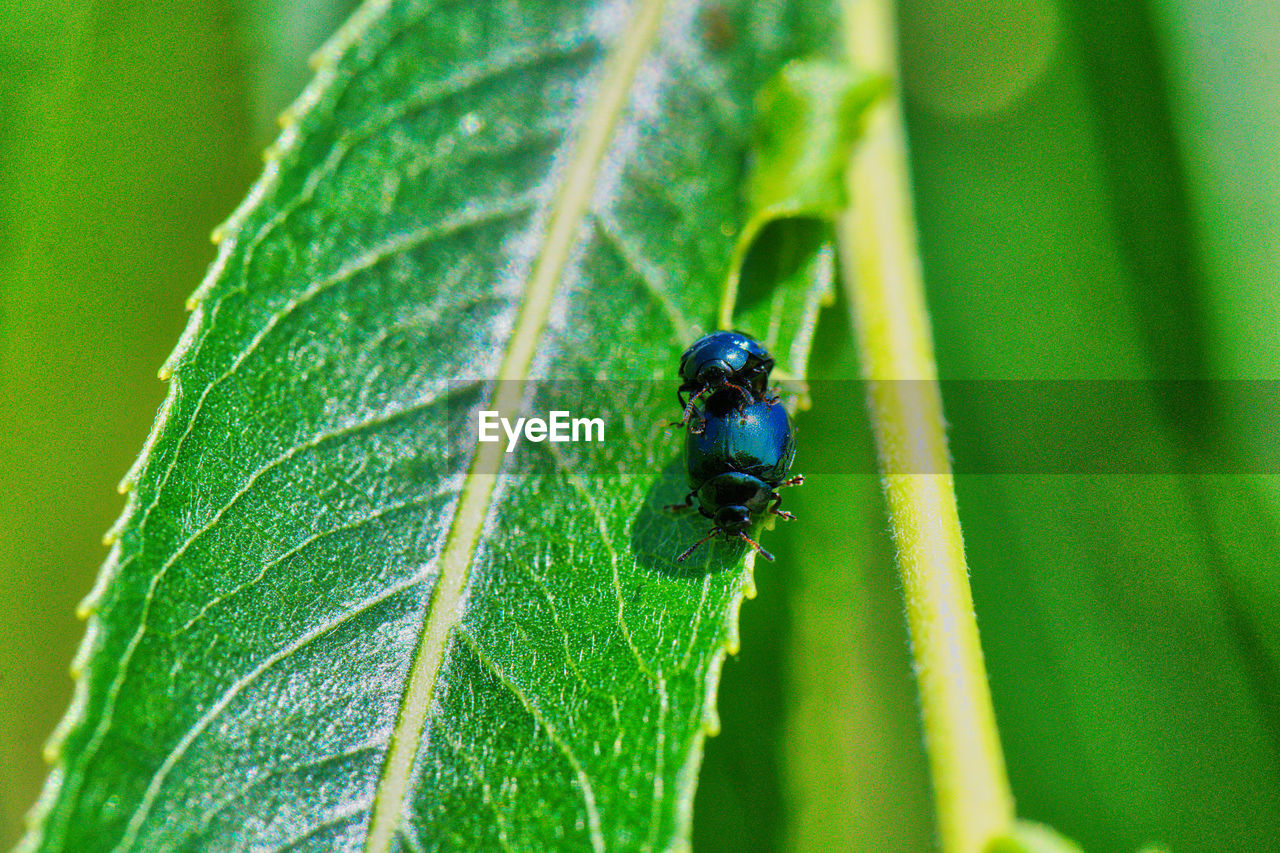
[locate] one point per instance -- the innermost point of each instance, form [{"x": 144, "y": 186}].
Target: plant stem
[{"x": 886, "y": 294}]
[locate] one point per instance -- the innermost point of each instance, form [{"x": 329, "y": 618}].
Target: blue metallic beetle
[
  {"x": 723, "y": 360},
  {"x": 735, "y": 464}
]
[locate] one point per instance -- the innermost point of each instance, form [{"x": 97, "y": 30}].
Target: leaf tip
[
  {"x": 112, "y": 534},
  {"x": 198, "y": 295},
  {"x": 88, "y": 605},
  {"x": 732, "y": 640}
]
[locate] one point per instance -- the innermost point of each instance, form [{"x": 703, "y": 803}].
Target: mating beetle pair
[{"x": 739, "y": 447}]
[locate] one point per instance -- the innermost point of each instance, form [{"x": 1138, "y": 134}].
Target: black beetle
[
  {"x": 735, "y": 464},
  {"x": 723, "y": 360}
]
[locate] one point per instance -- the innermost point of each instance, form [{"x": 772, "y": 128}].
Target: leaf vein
[
  {"x": 339, "y": 817},
  {"x": 584, "y": 782},
  {"x": 208, "y": 816},
  {"x": 412, "y": 843},
  {"x": 353, "y": 525},
  {"x": 471, "y": 218},
  {"x": 486, "y": 792},
  {"x": 427, "y": 96},
  {"x": 659, "y": 764},
  {"x": 564, "y": 635},
  {"x": 235, "y": 688},
  {"x": 697, "y": 621},
  {"x": 648, "y": 276},
  {"x": 602, "y": 527}
]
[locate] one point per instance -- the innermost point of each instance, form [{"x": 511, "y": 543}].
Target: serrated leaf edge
[{"x": 326, "y": 61}]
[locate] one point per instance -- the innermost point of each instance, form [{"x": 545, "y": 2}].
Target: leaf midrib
[{"x": 445, "y": 608}]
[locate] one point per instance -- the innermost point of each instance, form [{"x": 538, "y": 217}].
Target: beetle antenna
[
  {"x": 762, "y": 552},
  {"x": 694, "y": 546}
]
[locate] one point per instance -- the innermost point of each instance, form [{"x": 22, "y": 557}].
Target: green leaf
[
  {"x": 324, "y": 621},
  {"x": 810, "y": 114}
]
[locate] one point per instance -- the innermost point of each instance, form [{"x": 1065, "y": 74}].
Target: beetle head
[
  {"x": 733, "y": 518},
  {"x": 714, "y": 373}
]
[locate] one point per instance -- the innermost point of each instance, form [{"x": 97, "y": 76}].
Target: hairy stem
[{"x": 886, "y": 295}]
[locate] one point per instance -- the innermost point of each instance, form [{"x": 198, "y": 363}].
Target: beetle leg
[
  {"x": 689, "y": 406},
  {"x": 794, "y": 481},
  {"x": 688, "y": 504},
  {"x": 742, "y": 407},
  {"x": 694, "y": 546},
  {"x": 773, "y": 509},
  {"x": 761, "y": 376},
  {"x": 680, "y": 423},
  {"x": 689, "y": 410},
  {"x": 762, "y": 552}
]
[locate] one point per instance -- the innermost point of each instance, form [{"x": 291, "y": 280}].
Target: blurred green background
[{"x": 1097, "y": 191}]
